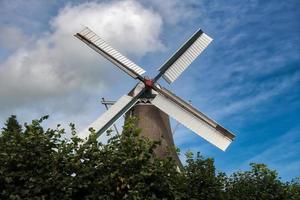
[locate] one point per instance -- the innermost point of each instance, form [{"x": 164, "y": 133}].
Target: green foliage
[
  {"x": 41, "y": 164},
  {"x": 260, "y": 183},
  {"x": 12, "y": 125},
  {"x": 201, "y": 178}
]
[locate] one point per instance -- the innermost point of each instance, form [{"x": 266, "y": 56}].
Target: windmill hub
[{"x": 149, "y": 83}]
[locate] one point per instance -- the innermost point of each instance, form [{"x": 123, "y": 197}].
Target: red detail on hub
[{"x": 149, "y": 83}]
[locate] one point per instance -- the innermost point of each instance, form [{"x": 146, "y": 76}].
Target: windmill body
[
  {"x": 154, "y": 124},
  {"x": 153, "y": 104}
]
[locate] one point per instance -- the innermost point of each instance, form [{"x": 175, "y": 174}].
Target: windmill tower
[{"x": 153, "y": 104}]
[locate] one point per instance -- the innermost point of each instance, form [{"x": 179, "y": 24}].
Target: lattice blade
[
  {"x": 106, "y": 120},
  {"x": 99, "y": 45},
  {"x": 173, "y": 68},
  {"x": 193, "y": 119}
]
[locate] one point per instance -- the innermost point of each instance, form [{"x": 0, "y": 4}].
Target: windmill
[{"x": 153, "y": 104}]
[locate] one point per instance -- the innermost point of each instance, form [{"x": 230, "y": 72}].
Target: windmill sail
[
  {"x": 193, "y": 119},
  {"x": 147, "y": 89},
  {"x": 172, "y": 69},
  {"x": 106, "y": 120},
  {"x": 99, "y": 45}
]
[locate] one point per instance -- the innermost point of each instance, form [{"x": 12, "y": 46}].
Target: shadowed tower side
[{"x": 155, "y": 125}]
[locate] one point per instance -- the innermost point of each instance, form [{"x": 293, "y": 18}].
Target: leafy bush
[{"x": 42, "y": 164}]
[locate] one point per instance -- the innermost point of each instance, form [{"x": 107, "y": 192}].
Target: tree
[
  {"x": 202, "y": 181},
  {"x": 42, "y": 164},
  {"x": 258, "y": 183},
  {"x": 12, "y": 125}
]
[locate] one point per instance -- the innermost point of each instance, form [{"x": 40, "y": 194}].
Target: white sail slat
[
  {"x": 99, "y": 45},
  {"x": 175, "y": 66},
  {"x": 193, "y": 119}
]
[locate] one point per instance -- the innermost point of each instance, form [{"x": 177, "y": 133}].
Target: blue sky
[{"x": 248, "y": 79}]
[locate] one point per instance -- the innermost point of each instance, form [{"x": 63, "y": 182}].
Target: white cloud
[
  {"x": 126, "y": 24},
  {"x": 58, "y": 71},
  {"x": 174, "y": 11},
  {"x": 12, "y": 38}
]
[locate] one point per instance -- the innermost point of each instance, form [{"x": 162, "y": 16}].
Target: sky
[{"x": 248, "y": 79}]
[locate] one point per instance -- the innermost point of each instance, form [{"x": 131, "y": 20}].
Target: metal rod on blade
[
  {"x": 105, "y": 103},
  {"x": 121, "y": 112}
]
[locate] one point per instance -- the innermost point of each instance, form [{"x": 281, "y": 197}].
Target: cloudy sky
[{"x": 248, "y": 79}]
